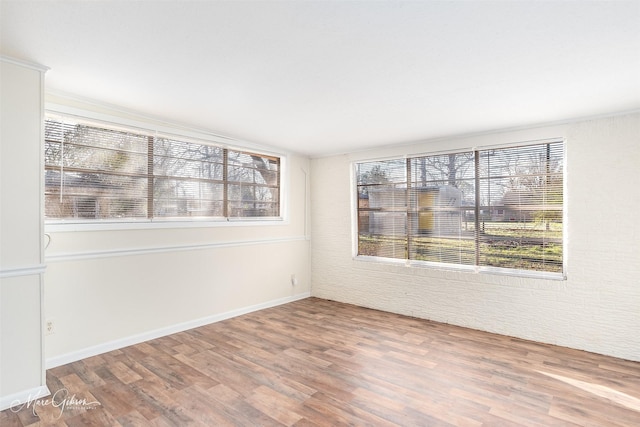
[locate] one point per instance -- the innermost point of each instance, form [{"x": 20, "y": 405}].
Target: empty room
[{"x": 319, "y": 213}]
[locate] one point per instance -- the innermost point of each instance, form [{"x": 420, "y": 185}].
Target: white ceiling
[{"x": 320, "y": 77}]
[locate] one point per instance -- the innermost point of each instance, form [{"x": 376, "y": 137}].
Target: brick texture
[{"x": 596, "y": 309}]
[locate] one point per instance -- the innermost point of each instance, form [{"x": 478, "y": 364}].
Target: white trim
[
  {"x": 43, "y": 369},
  {"x": 157, "y": 333},
  {"x": 285, "y": 180},
  {"x": 23, "y": 397},
  {"x": 26, "y": 64},
  {"x": 156, "y": 127},
  {"x": 43, "y": 236},
  {"x": 477, "y": 269},
  {"x": 41, "y": 174},
  {"x": 462, "y": 150},
  {"x": 74, "y": 256},
  {"x": 23, "y": 271},
  {"x": 54, "y": 226},
  {"x": 353, "y": 186}
]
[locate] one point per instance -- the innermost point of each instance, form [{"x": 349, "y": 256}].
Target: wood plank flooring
[{"x": 321, "y": 363}]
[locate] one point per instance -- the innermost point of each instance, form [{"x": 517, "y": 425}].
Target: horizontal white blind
[
  {"x": 382, "y": 208},
  {"x": 495, "y": 209},
  {"x": 442, "y": 204},
  {"x": 253, "y": 184},
  {"x": 188, "y": 179},
  {"x": 521, "y": 202},
  {"x": 94, "y": 171}
]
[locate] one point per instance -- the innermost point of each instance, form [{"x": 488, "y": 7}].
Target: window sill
[
  {"x": 54, "y": 226},
  {"x": 462, "y": 268}
]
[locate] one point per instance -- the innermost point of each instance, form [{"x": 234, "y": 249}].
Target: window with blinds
[
  {"x": 97, "y": 171},
  {"x": 489, "y": 210}
]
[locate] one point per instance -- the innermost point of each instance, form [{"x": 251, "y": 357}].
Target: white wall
[
  {"x": 105, "y": 289},
  {"x": 21, "y": 355},
  {"x": 596, "y": 309}
]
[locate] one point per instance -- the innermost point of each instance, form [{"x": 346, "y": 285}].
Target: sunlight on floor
[{"x": 600, "y": 390}]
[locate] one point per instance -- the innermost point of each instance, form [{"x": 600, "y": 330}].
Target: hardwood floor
[{"x": 317, "y": 362}]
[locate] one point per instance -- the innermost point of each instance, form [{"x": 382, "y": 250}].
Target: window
[
  {"x": 97, "y": 171},
  {"x": 496, "y": 209}
]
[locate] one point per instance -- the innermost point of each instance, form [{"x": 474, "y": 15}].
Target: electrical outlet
[
  {"x": 294, "y": 280},
  {"x": 49, "y": 327}
]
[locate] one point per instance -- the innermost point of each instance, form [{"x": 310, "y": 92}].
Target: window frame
[
  {"x": 146, "y": 125},
  {"x": 475, "y": 269}
]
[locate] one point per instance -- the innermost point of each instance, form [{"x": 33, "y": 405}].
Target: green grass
[
  {"x": 522, "y": 230},
  {"x": 505, "y": 245}
]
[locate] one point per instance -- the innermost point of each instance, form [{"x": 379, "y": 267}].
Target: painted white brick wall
[{"x": 596, "y": 309}]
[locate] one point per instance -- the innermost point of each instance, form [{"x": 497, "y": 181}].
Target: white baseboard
[
  {"x": 25, "y": 397},
  {"x": 157, "y": 333}
]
